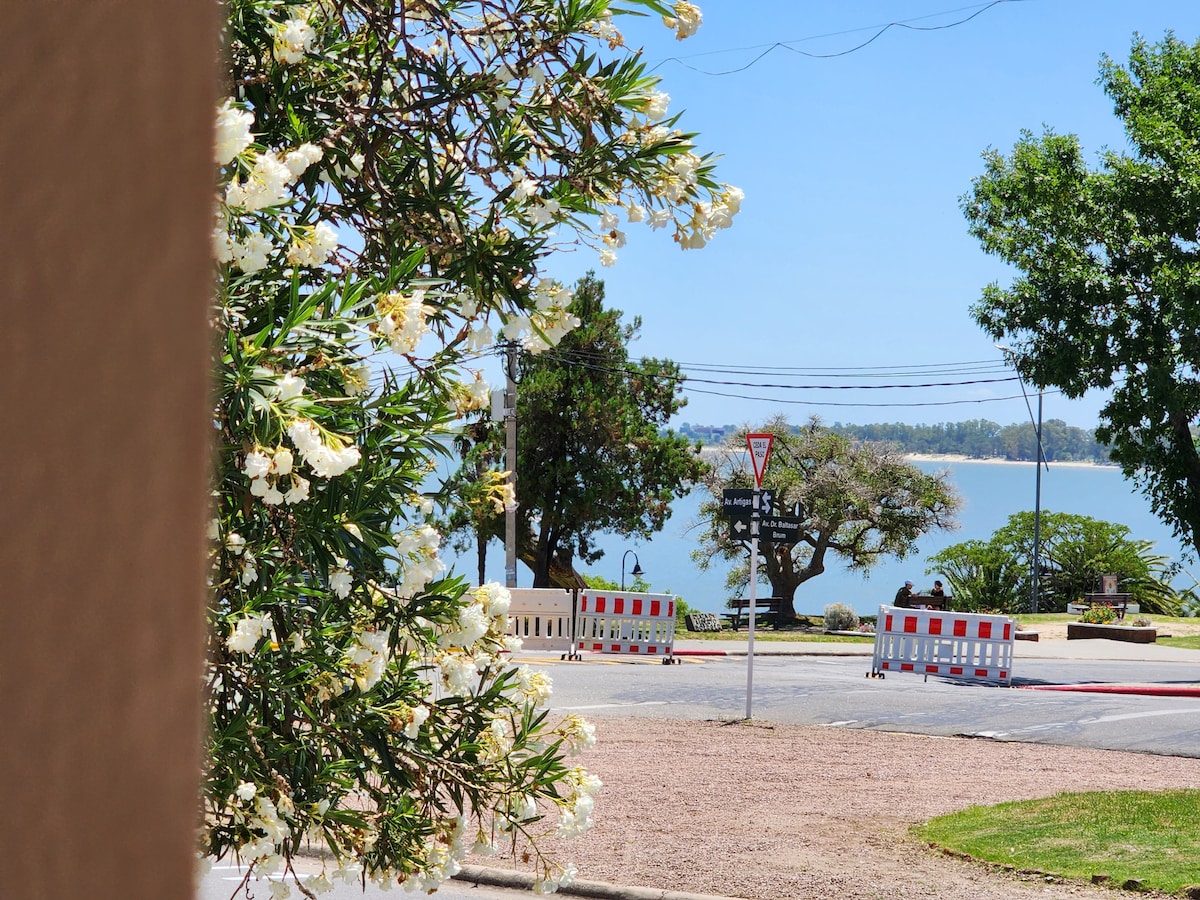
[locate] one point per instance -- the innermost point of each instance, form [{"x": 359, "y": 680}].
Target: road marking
[
  {"x": 1121, "y": 717},
  {"x": 616, "y": 705},
  {"x": 837, "y": 724}
]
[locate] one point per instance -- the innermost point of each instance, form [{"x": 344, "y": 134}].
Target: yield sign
[{"x": 760, "y": 451}]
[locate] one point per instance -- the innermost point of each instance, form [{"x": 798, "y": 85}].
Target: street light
[
  {"x": 1037, "y": 497},
  {"x": 637, "y": 568}
]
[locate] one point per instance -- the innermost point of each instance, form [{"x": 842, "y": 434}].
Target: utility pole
[
  {"x": 1037, "y": 514},
  {"x": 510, "y": 462}
]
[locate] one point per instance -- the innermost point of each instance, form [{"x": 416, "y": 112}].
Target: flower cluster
[
  {"x": 326, "y": 461},
  {"x": 267, "y": 470},
  {"x": 403, "y": 319},
  {"x": 686, "y": 20},
  {"x": 575, "y": 815}
]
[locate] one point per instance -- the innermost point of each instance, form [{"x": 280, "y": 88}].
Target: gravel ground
[{"x": 768, "y": 811}]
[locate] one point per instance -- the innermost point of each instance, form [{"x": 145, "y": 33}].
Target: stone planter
[{"x": 1079, "y": 631}]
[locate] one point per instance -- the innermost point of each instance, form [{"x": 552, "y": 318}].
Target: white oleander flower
[
  {"x": 340, "y": 580},
  {"x": 659, "y": 218},
  {"x": 257, "y": 465},
  {"x": 544, "y": 213},
  {"x": 313, "y": 248},
  {"x": 686, "y": 21},
  {"x": 246, "y": 634},
  {"x": 403, "y": 320},
  {"x": 417, "y": 716},
  {"x": 656, "y": 105},
  {"x": 535, "y": 685},
  {"x": 235, "y": 543},
  {"x": 293, "y": 39},
  {"x": 326, "y": 461},
  {"x": 298, "y": 492},
  {"x": 523, "y": 187},
  {"x": 233, "y": 132},
  {"x": 251, "y": 254},
  {"x": 249, "y": 570},
  {"x": 266, "y": 186},
  {"x": 290, "y": 387},
  {"x": 298, "y": 160},
  {"x": 608, "y": 257},
  {"x": 222, "y": 245}
]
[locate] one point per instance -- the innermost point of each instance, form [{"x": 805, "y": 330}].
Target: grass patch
[
  {"x": 1159, "y": 621},
  {"x": 1151, "y": 836},
  {"x": 1188, "y": 642}
]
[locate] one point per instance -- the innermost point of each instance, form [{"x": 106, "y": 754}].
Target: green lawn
[
  {"x": 1188, "y": 642},
  {"x": 1152, "y": 837}
]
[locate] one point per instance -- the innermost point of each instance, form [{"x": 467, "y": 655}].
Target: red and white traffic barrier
[
  {"x": 954, "y": 645},
  {"x": 619, "y": 622},
  {"x": 541, "y": 618}
]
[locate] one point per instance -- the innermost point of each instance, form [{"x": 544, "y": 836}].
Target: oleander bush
[{"x": 840, "y": 617}]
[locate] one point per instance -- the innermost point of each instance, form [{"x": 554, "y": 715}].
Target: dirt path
[{"x": 770, "y": 811}]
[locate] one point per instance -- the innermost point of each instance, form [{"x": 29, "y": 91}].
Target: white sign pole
[
  {"x": 760, "y": 452},
  {"x": 753, "y": 601}
]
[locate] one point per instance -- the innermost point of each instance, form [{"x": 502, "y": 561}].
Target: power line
[
  {"x": 575, "y": 359},
  {"x": 685, "y": 384},
  {"x": 786, "y": 45}
]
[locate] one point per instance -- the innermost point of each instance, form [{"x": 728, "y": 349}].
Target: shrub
[
  {"x": 840, "y": 617},
  {"x": 1099, "y": 615}
]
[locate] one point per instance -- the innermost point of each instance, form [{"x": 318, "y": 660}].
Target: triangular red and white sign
[{"x": 760, "y": 452}]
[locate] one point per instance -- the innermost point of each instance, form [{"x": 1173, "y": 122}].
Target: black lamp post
[{"x": 637, "y": 568}]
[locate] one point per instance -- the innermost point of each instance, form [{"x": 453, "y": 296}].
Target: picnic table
[{"x": 766, "y": 609}]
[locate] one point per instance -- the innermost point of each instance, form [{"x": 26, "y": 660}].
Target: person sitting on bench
[{"x": 904, "y": 596}]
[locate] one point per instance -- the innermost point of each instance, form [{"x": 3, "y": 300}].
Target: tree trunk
[{"x": 481, "y": 541}]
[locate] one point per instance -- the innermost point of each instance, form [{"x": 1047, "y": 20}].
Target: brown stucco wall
[{"x": 105, "y": 190}]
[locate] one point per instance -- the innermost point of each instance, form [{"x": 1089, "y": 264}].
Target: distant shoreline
[
  {"x": 709, "y": 451},
  {"x": 998, "y": 461}
]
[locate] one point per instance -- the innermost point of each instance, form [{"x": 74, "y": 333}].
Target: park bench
[
  {"x": 1118, "y": 602},
  {"x": 766, "y": 610}
]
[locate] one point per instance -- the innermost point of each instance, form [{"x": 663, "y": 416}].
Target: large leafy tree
[
  {"x": 593, "y": 452},
  {"x": 1108, "y": 294},
  {"x": 389, "y": 178},
  {"x": 858, "y": 502},
  {"x": 1075, "y": 551}
]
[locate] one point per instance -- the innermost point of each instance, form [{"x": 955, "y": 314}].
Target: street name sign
[
  {"x": 740, "y": 501},
  {"x": 779, "y": 529}
]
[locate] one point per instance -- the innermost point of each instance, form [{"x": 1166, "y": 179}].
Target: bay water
[{"x": 990, "y": 492}]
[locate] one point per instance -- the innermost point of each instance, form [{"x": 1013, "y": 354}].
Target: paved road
[{"x": 834, "y": 691}]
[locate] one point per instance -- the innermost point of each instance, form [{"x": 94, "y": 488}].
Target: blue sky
[{"x": 851, "y": 251}]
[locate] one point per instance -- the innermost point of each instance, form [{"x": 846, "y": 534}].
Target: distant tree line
[{"x": 976, "y": 439}]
